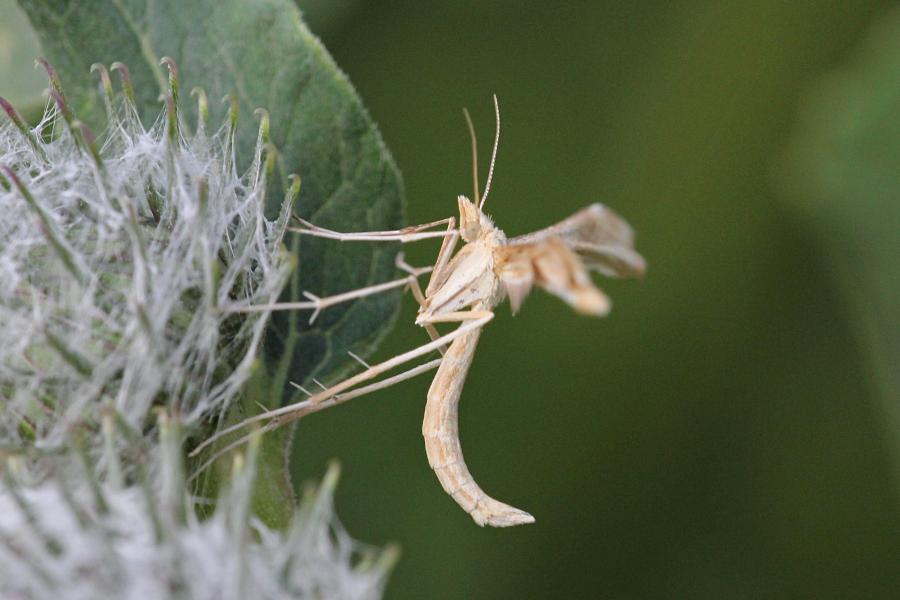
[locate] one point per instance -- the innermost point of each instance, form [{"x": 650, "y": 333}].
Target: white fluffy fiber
[
  {"x": 75, "y": 542},
  {"x": 119, "y": 264},
  {"x": 103, "y": 306}
]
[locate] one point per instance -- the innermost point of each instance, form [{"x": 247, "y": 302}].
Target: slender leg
[
  {"x": 438, "y": 274},
  {"x": 317, "y": 304},
  {"x": 417, "y": 293},
  {"x": 286, "y": 414},
  {"x": 306, "y": 407},
  {"x": 458, "y": 316},
  {"x": 476, "y": 320},
  {"x": 412, "y": 233}
]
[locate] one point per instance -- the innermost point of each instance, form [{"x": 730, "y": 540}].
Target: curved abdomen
[{"x": 441, "y": 431}]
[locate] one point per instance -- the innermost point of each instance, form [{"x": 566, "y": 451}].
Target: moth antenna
[
  {"x": 487, "y": 186},
  {"x": 474, "y": 140}
]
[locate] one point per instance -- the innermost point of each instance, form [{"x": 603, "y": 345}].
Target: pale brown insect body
[
  {"x": 470, "y": 280},
  {"x": 464, "y": 288},
  {"x": 487, "y": 269}
]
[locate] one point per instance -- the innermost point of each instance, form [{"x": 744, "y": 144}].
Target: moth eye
[{"x": 471, "y": 231}]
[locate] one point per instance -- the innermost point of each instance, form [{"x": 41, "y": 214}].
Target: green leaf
[
  {"x": 843, "y": 176},
  {"x": 261, "y": 52}
]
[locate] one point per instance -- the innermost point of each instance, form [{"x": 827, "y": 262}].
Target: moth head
[{"x": 472, "y": 221}]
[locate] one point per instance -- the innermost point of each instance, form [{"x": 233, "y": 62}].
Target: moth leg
[
  {"x": 286, "y": 414},
  {"x": 317, "y": 304},
  {"x": 412, "y": 233},
  {"x": 304, "y": 408},
  {"x": 417, "y": 293},
  {"x": 458, "y": 316},
  {"x": 439, "y": 273},
  {"x": 476, "y": 320}
]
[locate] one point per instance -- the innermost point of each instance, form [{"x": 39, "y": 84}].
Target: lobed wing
[
  {"x": 602, "y": 239},
  {"x": 552, "y": 265}
]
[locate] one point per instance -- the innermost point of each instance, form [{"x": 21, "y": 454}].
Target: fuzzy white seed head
[
  {"x": 119, "y": 261},
  {"x": 75, "y": 537},
  {"x": 122, "y": 261}
]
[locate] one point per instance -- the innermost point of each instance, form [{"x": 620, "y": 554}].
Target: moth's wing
[
  {"x": 595, "y": 223},
  {"x": 516, "y": 273},
  {"x": 551, "y": 265},
  {"x": 611, "y": 260},
  {"x": 603, "y": 240}
]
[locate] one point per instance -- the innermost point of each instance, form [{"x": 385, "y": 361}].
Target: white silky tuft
[
  {"x": 123, "y": 262},
  {"x": 116, "y": 275},
  {"x": 74, "y": 538}
]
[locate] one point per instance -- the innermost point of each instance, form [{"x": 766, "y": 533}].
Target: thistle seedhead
[
  {"x": 120, "y": 256},
  {"x": 78, "y": 537}
]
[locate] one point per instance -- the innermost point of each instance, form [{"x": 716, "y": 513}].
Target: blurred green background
[{"x": 731, "y": 429}]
